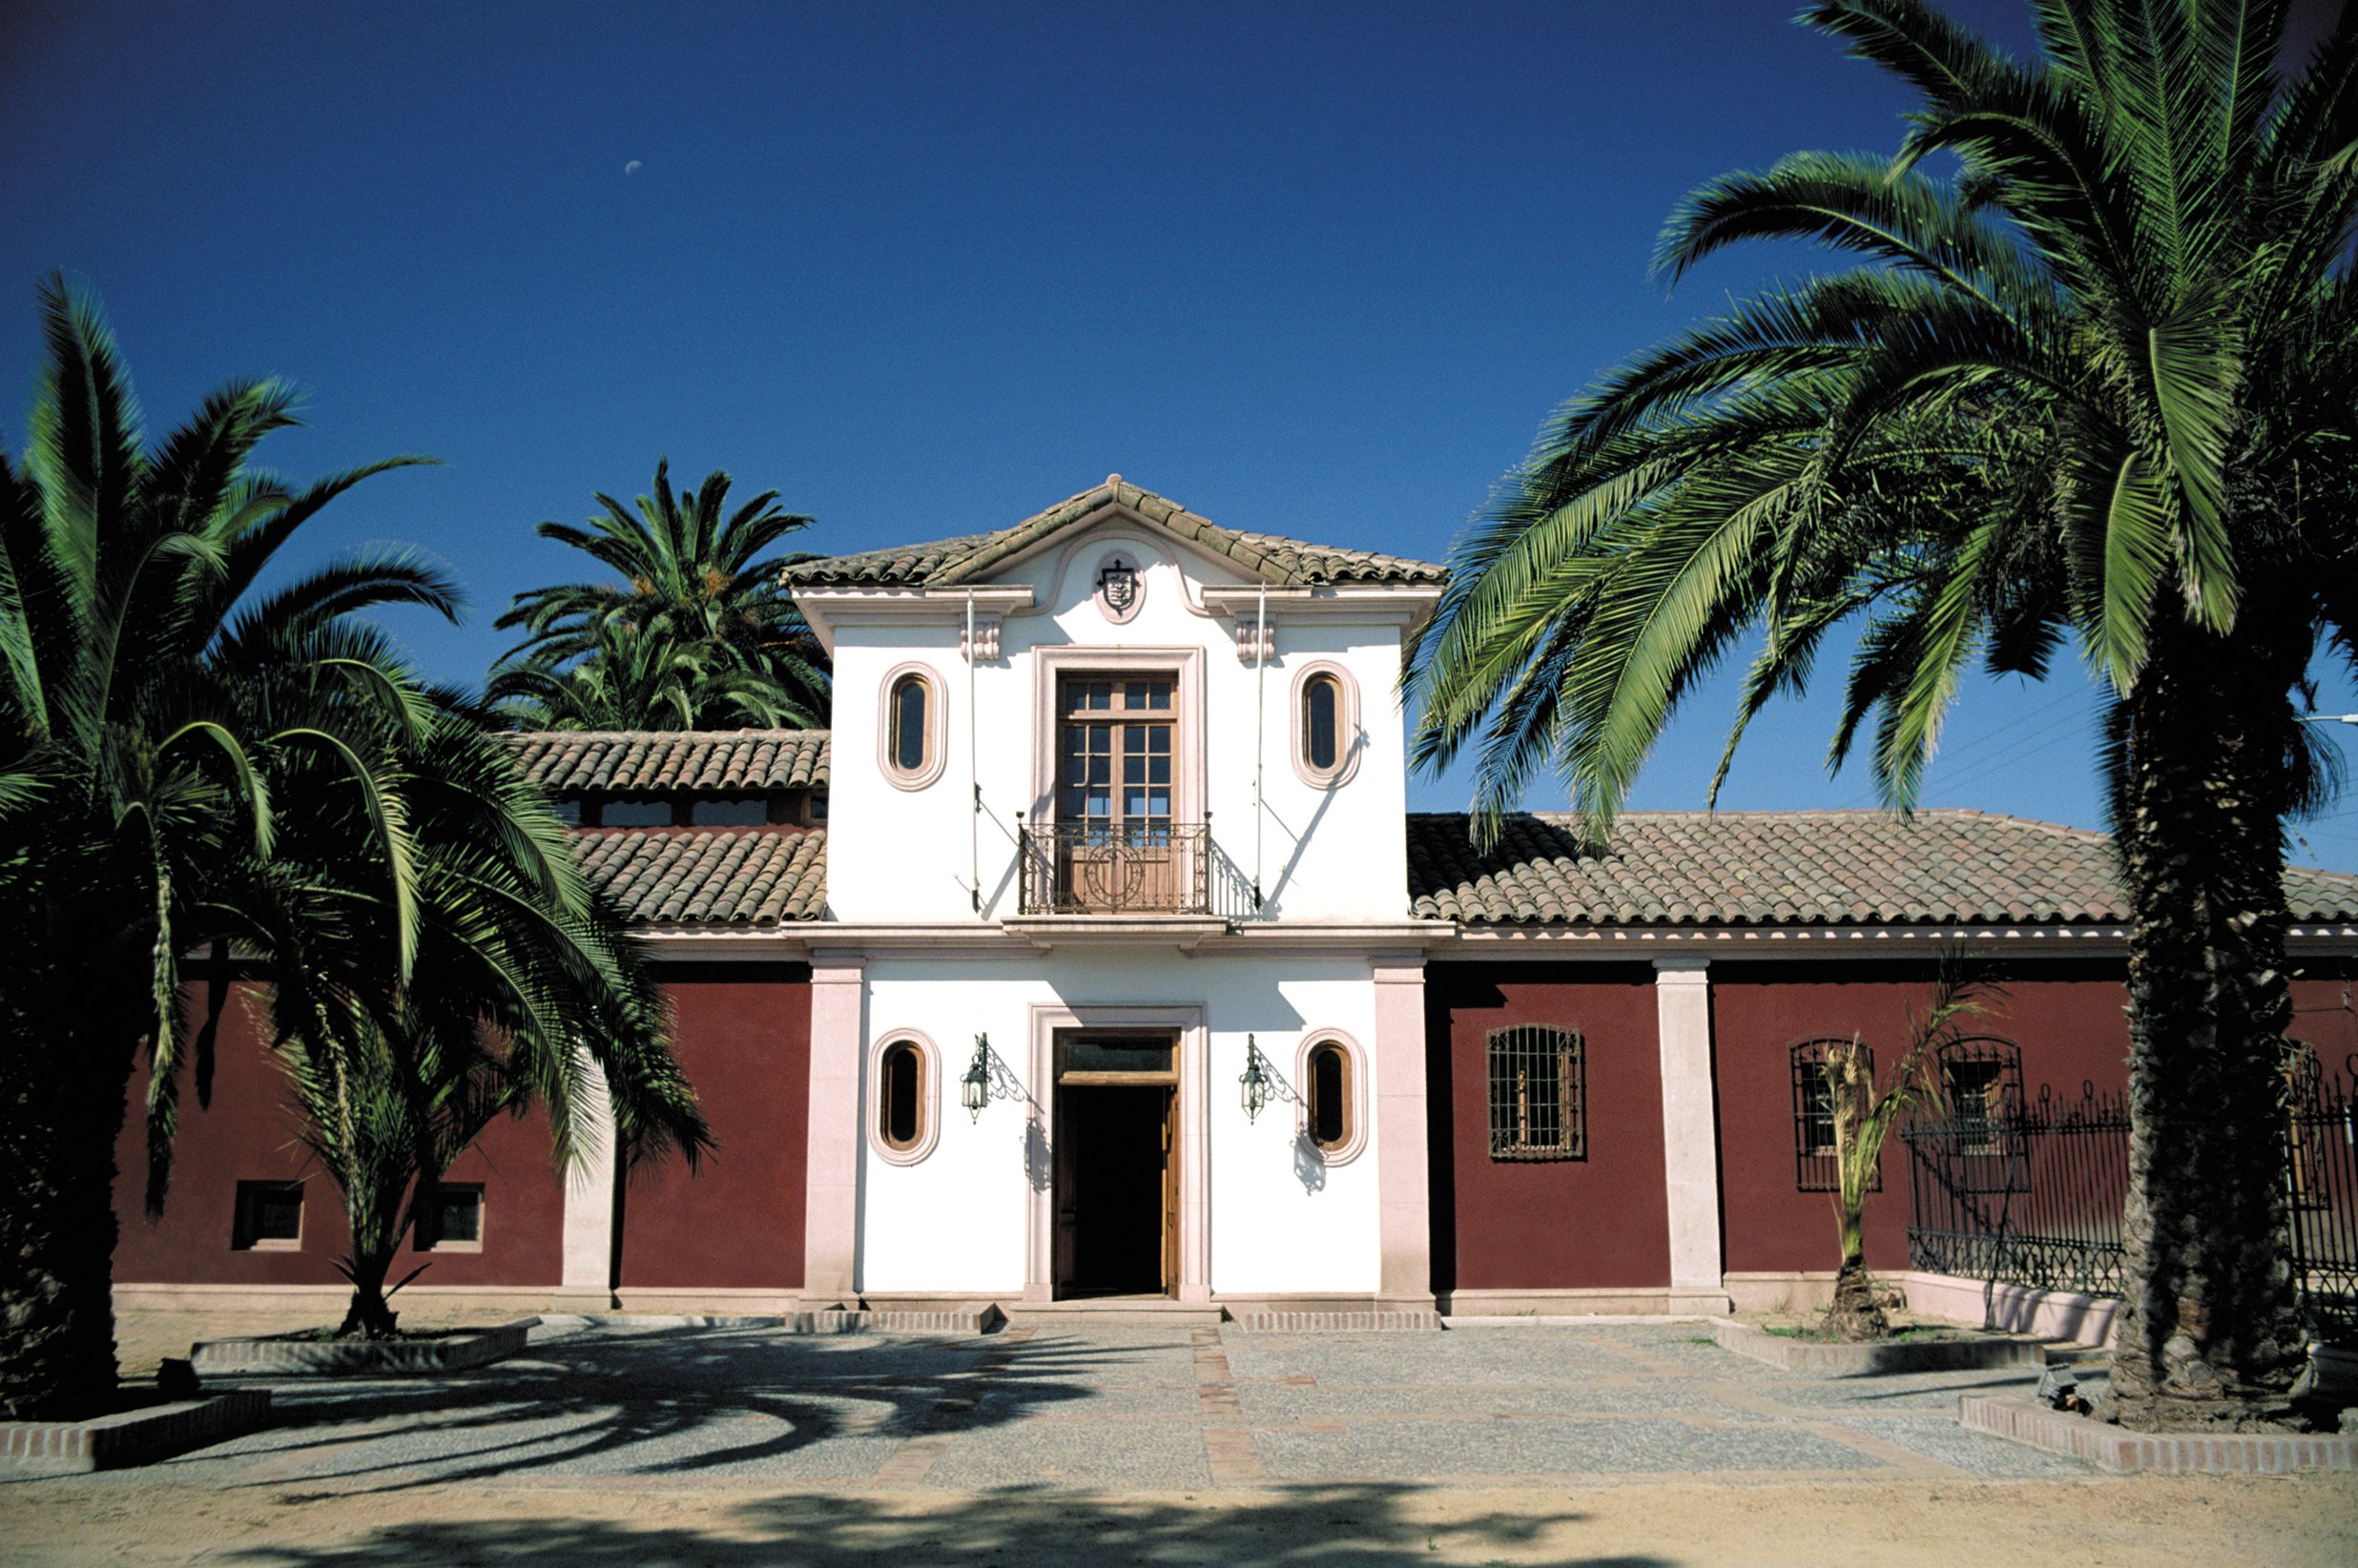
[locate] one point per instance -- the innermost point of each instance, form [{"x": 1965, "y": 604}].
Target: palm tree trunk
[
  {"x": 64, "y": 1074},
  {"x": 2208, "y": 1335},
  {"x": 369, "y": 1315},
  {"x": 1855, "y": 1314}
]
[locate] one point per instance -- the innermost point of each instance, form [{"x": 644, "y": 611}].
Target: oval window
[
  {"x": 1322, "y": 706},
  {"x": 909, "y": 732},
  {"x": 1329, "y": 1096},
  {"x": 902, "y": 1089}
]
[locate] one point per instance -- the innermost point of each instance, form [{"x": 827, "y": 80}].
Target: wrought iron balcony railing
[{"x": 1116, "y": 868}]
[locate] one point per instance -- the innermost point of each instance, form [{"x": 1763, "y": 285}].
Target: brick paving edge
[
  {"x": 132, "y": 1438},
  {"x": 2021, "y": 1419}
]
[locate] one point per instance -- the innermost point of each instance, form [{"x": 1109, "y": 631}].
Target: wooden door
[
  {"x": 1067, "y": 1174},
  {"x": 1171, "y": 1193}
]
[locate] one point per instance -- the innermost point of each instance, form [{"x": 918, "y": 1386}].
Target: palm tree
[
  {"x": 524, "y": 987},
  {"x": 637, "y": 678},
  {"x": 2098, "y": 386},
  {"x": 141, "y": 767},
  {"x": 700, "y": 587}
]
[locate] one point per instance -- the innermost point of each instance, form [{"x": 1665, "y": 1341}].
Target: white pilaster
[
  {"x": 587, "y": 1280},
  {"x": 831, "y": 1185},
  {"x": 1405, "y": 1275},
  {"x": 1689, "y": 1133}
]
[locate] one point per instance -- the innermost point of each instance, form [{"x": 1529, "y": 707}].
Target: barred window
[
  {"x": 1537, "y": 1110},
  {"x": 1815, "y": 1168},
  {"x": 1981, "y": 1078}
]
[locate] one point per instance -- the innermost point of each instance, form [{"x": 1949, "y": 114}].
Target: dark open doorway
[{"x": 1116, "y": 1209}]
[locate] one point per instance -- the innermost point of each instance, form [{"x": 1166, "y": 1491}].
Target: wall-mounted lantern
[
  {"x": 1254, "y": 1080},
  {"x": 974, "y": 1090}
]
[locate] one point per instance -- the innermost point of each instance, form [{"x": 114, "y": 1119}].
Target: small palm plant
[
  {"x": 522, "y": 986},
  {"x": 1863, "y": 1115},
  {"x": 379, "y": 1132}
]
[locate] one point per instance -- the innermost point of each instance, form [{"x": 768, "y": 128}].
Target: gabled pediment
[{"x": 978, "y": 557}]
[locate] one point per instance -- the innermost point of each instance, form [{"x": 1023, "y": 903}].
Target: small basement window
[
  {"x": 269, "y": 1217},
  {"x": 1537, "y": 1110},
  {"x": 451, "y": 1220}
]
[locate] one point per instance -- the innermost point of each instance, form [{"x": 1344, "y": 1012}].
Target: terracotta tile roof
[
  {"x": 638, "y": 762},
  {"x": 945, "y": 562},
  {"x": 742, "y": 878},
  {"x": 1791, "y": 868}
]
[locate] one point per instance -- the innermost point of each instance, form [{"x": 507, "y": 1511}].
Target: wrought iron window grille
[
  {"x": 1815, "y": 1169},
  {"x": 1537, "y": 1094}
]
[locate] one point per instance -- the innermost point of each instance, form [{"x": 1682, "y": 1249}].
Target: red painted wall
[
  {"x": 2066, "y": 1017},
  {"x": 743, "y": 1034},
  {"x": 245, "y": 1130},
  {"x": 1601, "y": 1222}
]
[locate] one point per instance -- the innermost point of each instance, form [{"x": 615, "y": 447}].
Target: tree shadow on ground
[
  {"x": 697, "y": 1399},
  {"x": 1297, "y": 1527}
]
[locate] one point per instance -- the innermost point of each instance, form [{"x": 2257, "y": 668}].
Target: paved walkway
[
  {"x": 1160, "y": 1410},
  {"x": 1606, "y": 1446}
]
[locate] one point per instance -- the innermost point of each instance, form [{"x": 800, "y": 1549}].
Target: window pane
[
  {"x": 1117, "y": 1056},
  {"x": 278, "y": 1214},
  {"x": 268, "y": 1215},
  {"x": 745, "y": 811},
  {"x": 901, "y": 1074},
  {"x": 458, "y": 1214},
  {"x": 909, "y": 725},
  {"x": 1325, "y": 1096},
  {"x": 637, "y": 813},
  {"x": 1320, "y": 744}
]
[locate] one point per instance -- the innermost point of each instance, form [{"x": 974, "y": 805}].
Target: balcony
[{"x": 1139, "y": 868}]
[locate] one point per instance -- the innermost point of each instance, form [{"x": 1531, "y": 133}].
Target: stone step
[
  {"x": 1270, "y": 1321},
  {"x": 1113, "y": 1311}
]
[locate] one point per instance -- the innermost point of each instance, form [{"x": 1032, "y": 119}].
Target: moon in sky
[{"x": 632, "y": 167}]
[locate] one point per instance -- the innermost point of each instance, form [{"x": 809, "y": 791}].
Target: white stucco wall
[
  {"x": 899, "y": 855},
  {"x": 956, "y": 1222}
]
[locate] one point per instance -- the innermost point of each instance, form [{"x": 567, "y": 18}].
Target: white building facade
[{"x": 1118, "y": 997}]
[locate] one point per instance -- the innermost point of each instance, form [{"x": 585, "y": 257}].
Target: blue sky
[{"x": 1319, "y": 270}]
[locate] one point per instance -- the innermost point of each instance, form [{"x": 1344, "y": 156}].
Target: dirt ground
[{"x": 2300, "y": 1523}]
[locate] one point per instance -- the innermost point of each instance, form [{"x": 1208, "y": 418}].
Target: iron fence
[{"x": 2031, "y": 1193}]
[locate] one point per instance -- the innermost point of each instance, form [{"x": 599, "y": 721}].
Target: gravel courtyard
[{"x": 1605, "y": 1443}]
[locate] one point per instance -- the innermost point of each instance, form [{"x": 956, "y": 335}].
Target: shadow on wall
[{"x": 1307, "y": 1527}]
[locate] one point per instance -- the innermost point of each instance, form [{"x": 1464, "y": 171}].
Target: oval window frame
[
  {"x": 936, "y": 727},
  {"x": 1355, "y": 1095},
  {"x": 928, "y": 1098},
  {"x": 1347, "y": 731}
]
